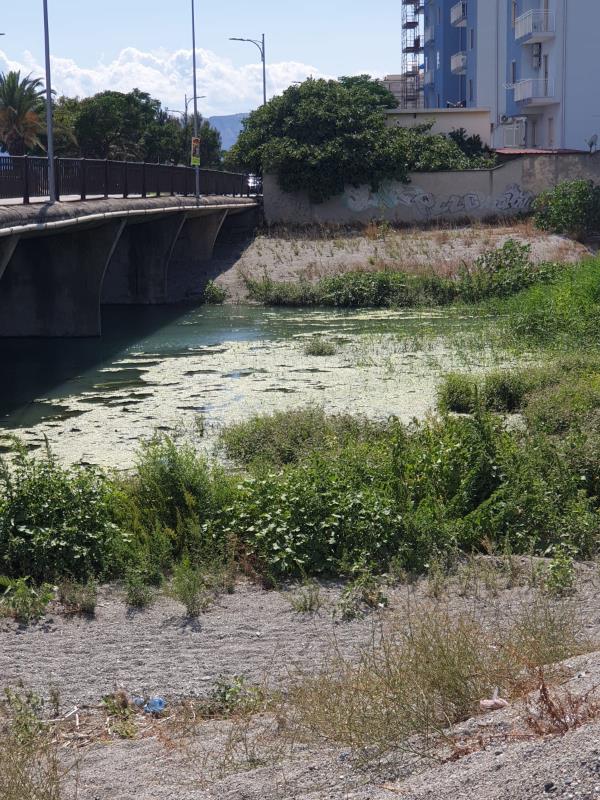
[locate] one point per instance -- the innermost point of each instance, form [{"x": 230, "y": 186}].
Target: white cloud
[{"x": 168, "y": 76}]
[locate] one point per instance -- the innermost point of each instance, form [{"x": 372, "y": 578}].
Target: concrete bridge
[{"x": 59, "y": 263}]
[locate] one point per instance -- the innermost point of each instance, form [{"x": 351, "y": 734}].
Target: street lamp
[
  {"x": 195, "y": 98},
  {"x": 49, "y": 126},
  {"x": 261, "y": 46}
]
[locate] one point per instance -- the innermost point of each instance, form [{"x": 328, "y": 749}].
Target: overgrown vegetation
[
  {"x": 572, "y": 207},
  {"x": 431, "y": 671},
  {"x": 321, "y": 135},
  {"x": 495, "y": 274}
]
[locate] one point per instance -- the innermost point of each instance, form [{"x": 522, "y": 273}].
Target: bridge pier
[
  {"x": 137, "y": 274},
  {"x": 195, "y": 246},
  {"x": 51, "y": 284}
]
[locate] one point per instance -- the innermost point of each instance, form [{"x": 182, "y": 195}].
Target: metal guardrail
[{"x": 26, "y": 177}]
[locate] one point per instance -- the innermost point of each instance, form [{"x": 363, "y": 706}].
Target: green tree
[
  {"x": 322, "y": 135},
  {"x": 21, "y": 112}
]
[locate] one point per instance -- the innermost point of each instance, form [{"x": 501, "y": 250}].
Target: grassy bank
[{"x": 496, "y": 273}]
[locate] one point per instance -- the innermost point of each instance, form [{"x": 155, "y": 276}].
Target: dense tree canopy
[
  {"x": 116, "y": 125},
  {"x": 322, "y": 135}
]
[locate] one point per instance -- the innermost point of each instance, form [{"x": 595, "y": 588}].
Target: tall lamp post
[
  {"x": 261, "y": 46},
  {"x": 195, "y": 94},
  {"x": 49, "y": 125}
]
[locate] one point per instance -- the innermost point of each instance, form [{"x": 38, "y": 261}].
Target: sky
[{"x": 122, "y": 44}]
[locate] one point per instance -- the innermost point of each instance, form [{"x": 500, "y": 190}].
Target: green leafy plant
[
  {"x": 560, "y": 577},
  {"x": 56, "y": 521},
  {"x": 189, "y": 588},
  {"x": 308, "y": 599},
  {"x": 23, "y": 600},
  {"x": 214, "y": 294},
  {"x": 571, "y": 207},
  {"x": 138, "y": 593}
]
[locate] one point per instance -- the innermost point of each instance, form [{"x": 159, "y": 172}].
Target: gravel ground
[{"x": 257, "y": 634}]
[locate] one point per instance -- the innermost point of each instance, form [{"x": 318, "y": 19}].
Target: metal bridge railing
[{"x": 26, "y": 177}]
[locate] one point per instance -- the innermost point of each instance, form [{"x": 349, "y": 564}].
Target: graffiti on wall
[{"x": 427, "y": 205}]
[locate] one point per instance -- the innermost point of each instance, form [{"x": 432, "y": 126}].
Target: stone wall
[{"x": 507, "y": 190}]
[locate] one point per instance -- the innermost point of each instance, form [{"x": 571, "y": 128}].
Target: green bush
[
  {"x": 138, "y": 593},
  {"x": 505, "y": 390},
  {"x": 56, "y": 521},
  {"x": 175, "y": 494},
  {"x": 23, "y": 600},
  {"x": 214, "y": 294},
  {"x": 189, "y": 588},
  {"x": 572, "y": 208},
  {"x": 458, "y": 393},
  {"x": 317, "y": 346},
  {"x": 285, "y": 437}
]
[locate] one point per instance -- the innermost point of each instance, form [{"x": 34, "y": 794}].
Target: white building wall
[{"x": 581, "y": 84}]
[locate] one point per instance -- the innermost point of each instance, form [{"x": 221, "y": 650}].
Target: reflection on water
[{"x": 161, "y": 367}]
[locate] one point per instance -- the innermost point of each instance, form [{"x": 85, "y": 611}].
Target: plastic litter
[
  {"x": 494, "y": 704},
  {"x": 138, "y": 701},
  {"x": 155, "y": 705}
]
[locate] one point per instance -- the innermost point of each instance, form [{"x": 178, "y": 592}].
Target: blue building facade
[{"x": 442, "y": 87}]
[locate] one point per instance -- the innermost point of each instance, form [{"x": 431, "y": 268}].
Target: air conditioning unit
[
  {"x": 537, "y": 56},
  {"x": 504, "y": 119}
]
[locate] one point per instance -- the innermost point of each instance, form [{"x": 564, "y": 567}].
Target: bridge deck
[{"x": 16, "y": 217}]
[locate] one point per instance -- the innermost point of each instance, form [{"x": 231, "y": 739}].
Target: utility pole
[
  {"x": 195, "y": 95},
  {"x": 49, "y": 121}
]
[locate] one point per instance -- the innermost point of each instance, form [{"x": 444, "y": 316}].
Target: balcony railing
[
  {"x": 458, "y": 13},
  {"x": 535, "y": 91},
  {"x": 535, "y": 26},
  {"x": 25, "y": 177},
  {"x": 458, "y": 63}
]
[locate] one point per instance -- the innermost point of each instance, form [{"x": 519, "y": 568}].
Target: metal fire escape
[{"x": 413, "y": 40}]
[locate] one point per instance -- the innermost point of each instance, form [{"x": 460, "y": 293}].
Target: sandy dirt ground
[
  {"x": 310, "y": 254},
  {"x": 259, "y": 635}
]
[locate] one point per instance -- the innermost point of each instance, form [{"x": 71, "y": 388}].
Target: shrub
[
  {"x": 318, "y": 346},
  {"x": 505, "y": 390},
  {"x": 78, "y": 598},
  {"x": 457, "y": 393},
  {"x": 23, "y": 600},
  {"x": 285, "y": 437},
  {"x": 189, "y": 588},
  {"x": 175, "y": 490},
  {"x": 214, "y": 294},
  {"x": 572, "y": 207},
  {"x": 308, "y": 599},
  {"x": 138, "y": 593},
  {"x": 56, "y": 521}
]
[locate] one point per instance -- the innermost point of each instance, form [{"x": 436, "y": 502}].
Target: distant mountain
[{"x": 229, "y": 127}]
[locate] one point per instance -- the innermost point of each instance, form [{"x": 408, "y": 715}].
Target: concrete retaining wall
[{"x": 507, "y": 190}]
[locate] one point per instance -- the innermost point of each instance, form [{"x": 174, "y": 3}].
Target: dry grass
[{"x": 427, "y": 673}]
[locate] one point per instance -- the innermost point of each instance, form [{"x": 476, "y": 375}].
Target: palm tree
[{"x": 21, "y": 112}]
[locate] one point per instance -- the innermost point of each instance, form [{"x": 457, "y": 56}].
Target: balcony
[
  {"x": 429, "y": 34},
  {"x": 458, "y": 14},
  {"x": 535, "y": 92},
  {"x": 428, "y": 77},
  {"x": 458, "y": 63},
  {"x": 535, "y": 26}
]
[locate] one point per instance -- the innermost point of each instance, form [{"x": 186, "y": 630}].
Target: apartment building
[{"x": 530, "y": 62}]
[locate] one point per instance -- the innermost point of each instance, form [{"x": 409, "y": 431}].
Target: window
[
  {"x": 513, "y": 71},
  {"x": 471, "y": 38},
  {"x": 551, "y": 132},
  {"x": 470, "y": 90}
]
